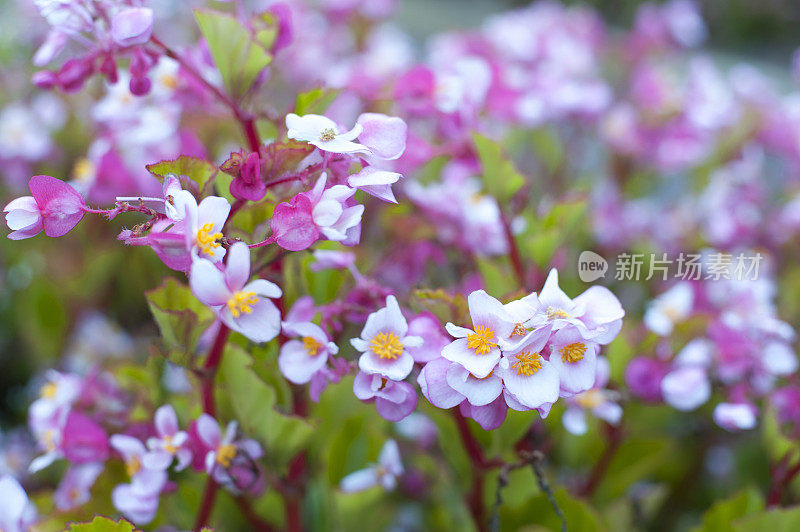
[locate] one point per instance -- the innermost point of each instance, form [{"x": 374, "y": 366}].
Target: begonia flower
[
  {"x": 54, "y": 206},
  {"x": 384, "y": 473}
]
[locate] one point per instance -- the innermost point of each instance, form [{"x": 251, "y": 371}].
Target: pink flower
[
  {"x": 384, "y": 473},
  {"x": 248, "y": 185},
  {"x": 427, "y": 327},
  {"x": 203, "y": 226},
  {"x": 643, "y": 377},
  {"x": 167, "y": 239},
  {"x": 478, "y": 349},
  {"x": 17, "y": 513},
  {"x": 670, "y": 308},
  {"x": 323, "y": 133},
  {"x": 385, "y": 136},
  {"x": 83, "y": 440},
  {"x": 132, "y": 25},
  {"x": 74, "y": 489},
  {"x": 228, "y": 460},
  {"x": 686, "y": 387},
  {"x": 734, "y": 417},
  {"x": 393, "y": 400},
  {"x": 170, "y": 443},
  {"x": 384, "y": 343},
  {"x": 138, "y": 501},
  {"x": 55, "y": 207},
  {"x": 375, "y": 182},
  {"x": 317, "y": 213},
  {"x": 299, "y": 360},
  {"x": 244, "y": 307}
]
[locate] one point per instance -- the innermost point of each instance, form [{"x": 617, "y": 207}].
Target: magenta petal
[
  {"x": 391, "y": 411},
  {"x": 61, "y": 205},
  {"x": 293, "y": 224}
]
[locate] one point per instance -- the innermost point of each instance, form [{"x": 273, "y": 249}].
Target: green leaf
[
  {"x": 201, "y": 172},
  {"x": 719, "y": 517},
  {"x": 180, "y": 317},
  {"x": 315, "y": 101},
  {"x": 497, "y": 274},
  {"x": 500, "y": 177},
  {"x": 253, "y": 403},
  {"x": 634, "y": 460},
  {"x": 102, "y": 524},
  {"x": 240, "y": 57},
  {"x": 775, "y": 520}
]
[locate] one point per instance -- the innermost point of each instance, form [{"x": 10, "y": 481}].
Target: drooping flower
[
  {"x": 170, "y": 442},
  {"x": 244, "y": 307},
  {"x": 598, "y": 401},
  {"x": 308, "y": 216},
  {"x": 375, "y": 182},
  {"x": 203, "y": 226},
  {"x": 323, "y": 133},
  {"x": 229, "y": 460},
  {"x": 478, "y": 349},
  {"x": 384, "y": 343},
  {"x": 385, "y": 136},
  {"x": 394, "y": 400},
  {"x": 384, "y": 473},
  {"x": 54, "y": 206},
  {"x": 74, "y": 489}
]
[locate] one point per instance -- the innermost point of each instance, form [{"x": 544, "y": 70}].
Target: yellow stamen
[
  {"x": 49, "y": 390},
  {"x": 226, "y": 454},
  {"x": 83, "y": 171},
  {"x": 206, "y": 240},
  {"x": 169, "y": 81},
  {"x": 311, "y": 345},
  {"x": 49, "y": 440},
  {"x": 553, "y": 313},
  {"x": 528, "y": 363},
  {"x": 327, "y": 134},
  {"x": 386, "y": 345},
  {"x": 481, "y": 340},
  {"x": 590, "y": 398},
  {"x": 133, "y": 465},
  {"x": 573, "y": 352},
  {"x": 168, "y": 446},
  {"x": 242, "y": 303},
  {"x": 519, "y": 330}
]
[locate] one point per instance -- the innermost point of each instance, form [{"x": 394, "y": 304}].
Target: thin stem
[
  {"x": 614, "y": 438},
  {"x": 246, "y": 121},
  {"x": 536, "y": 459},
  {"x": 514, "y": 254},
  {"x": 210, "y": 368},
  {"x": 256, "y": 522},
  {"x": 263, "y": 243},
  {"x": 207, "y": 503},
  {"x": 780, "y": 478}
]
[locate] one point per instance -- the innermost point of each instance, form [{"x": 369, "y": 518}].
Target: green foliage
[
  {"x": 315, "y": 101},
  {"x": 543, "y": 235},
  {"x": 199, "y": 171},
  {"x": 253, "y": 402},
  {"x": 181, "y": 318},
  {"x": 239, "y": 56},
  {"x": 500, "y": 177},
  {"x": 548, "y": 148},
  {"x": 719, "y": 517},
  {"x": 102, "y": 524},
  {"x": 774, "y": 520},
  {"x": 635, "y": 460}
]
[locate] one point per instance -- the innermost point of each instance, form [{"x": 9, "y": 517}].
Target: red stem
[
  {"x": 207, "y": 504},
  {"x": 514, "y": 255},
  {"x": 210, "y": 368},
  {"x": 614, "y": 438},
  {"x": 781, "y": 478},
  {"x": 256, "y": 522},
  {"x": 475, "y": 498}
]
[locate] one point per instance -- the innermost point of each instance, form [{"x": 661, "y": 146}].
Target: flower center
[
  {"x": 528, "y": 363},
  {"x": 226, "y": 454},
  {"x": 311, "y": 346},
  {"x": 168, "y": 445},
  {"x": 83, "y": 170},
  {"x": 519, "y": 330},
  {"x": 553, "y": 313},
  {"x": 49, "y": 390},
  {"x": 206, "y": 240},
  {"x": 590, "y": 398},
  {"x": 481, "y": 340},
  {"x": 242, "y": 303},
  {"x": 386, "y": 345},
  {"x": 50, "y": 440},
  {"x": 327, "y": 134},
  {"x": 133, "y": 465},
  {"x": 573, "y": 352}
]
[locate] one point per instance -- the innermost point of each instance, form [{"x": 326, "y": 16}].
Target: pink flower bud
[
  {"x": 84, "y": 440},
  {"x": 73, "y": 74},
  {"x": 132, "y": 26},
  {"x": 44, "y": 79},
  {"x": 140, "y": 86}
]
